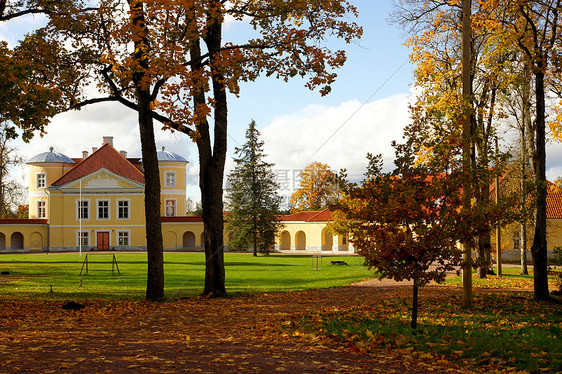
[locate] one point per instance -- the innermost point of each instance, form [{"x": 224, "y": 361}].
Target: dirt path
[{"x": 197, "y": 335}]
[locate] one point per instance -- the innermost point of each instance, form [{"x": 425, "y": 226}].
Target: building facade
[{"x": 96, "y": 203}]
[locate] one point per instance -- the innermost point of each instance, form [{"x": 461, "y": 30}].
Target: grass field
[
  {"x": 505, "y": 331},
  {"x": 34, "y": 274}
]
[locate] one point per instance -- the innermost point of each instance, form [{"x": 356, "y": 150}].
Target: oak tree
[{"x": 168, "y": 61}]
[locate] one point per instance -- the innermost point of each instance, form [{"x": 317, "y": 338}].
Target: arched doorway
[
  {"x": 2, "y": 241},
  {"x": 16, "y": 241},
  {"x": 285, "y": 244},
  {"x": 189, "y": 240},
  {"x": 300, "y": 241},
  {"x": 327, "y": 240}
]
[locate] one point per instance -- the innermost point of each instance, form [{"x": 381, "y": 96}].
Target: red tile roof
[
  {"x": 312, "y": 216},
  {"x": 105, "y": 157},
  {"x": 554, "y": 202},
  {"x": 20, "y": 221}
]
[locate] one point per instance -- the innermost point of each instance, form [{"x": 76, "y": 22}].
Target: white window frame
[
  {"x": 41, "y": 177},
  {"x": 172, "y": 182},
  {"x": 87, "y": 201},
  {"x": 98, "y": 202},
  {"x": 120, "y": 234},
  {"x": 128, "y": 217},
  {"x": 80, "y": 235},
  {"x": 174, "y": 204},
  {"x": 41, "y": 208}
]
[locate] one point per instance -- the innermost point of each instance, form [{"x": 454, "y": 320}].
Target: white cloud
[{"x": 338, "y": 136}]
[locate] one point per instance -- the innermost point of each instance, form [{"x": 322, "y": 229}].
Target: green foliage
[
  {"x": 252, "y": 198},
  {"x": 31, "y": 275}
]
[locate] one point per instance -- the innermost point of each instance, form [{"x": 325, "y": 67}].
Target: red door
[{"x": 103, "y": 241}]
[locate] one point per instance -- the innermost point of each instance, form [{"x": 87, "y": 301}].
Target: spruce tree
[{"x": 252, "y": 198}]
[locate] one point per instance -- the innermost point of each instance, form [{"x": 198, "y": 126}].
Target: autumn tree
[
  {"x": 318, "y": 188},
  {"x": 168, "y": 61},
  {"x": 440, "y": 41},
  {"x": 27, "y": 100},
  {"x": 11, "y": 192},
  {"x": 404, "y": 223},
  {"x": 537, "y": 29},
  {"x": 252, "y": 197}
]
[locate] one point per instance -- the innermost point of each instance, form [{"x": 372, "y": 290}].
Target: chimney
[
  {"x": 84, "y": 154},
  {"x": 123, "y": 153},
  {"x": 94, "y": 149},
  {"x": 108, "y": 140}
]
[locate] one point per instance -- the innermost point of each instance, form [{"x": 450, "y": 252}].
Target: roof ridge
[{"x": 97, "y": 161}]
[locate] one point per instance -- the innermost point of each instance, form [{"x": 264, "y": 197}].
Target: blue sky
[{"x": 365, "y": 111}]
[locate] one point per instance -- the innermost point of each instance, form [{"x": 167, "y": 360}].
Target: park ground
[{"x": 258, "y": 332}]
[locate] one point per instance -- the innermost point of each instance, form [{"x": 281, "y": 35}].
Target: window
[
  {"x": 122, "y": 238},
  {"x": 41, "y": 181},
  {"x": 83, "y": 209},
  {"x": 170, "y": 208},
  {"x": 83, "y": 238},
  {"x": 41, "y": 209},
  {"x": 170, "y": 179},
  {"x": 122, "y": 209},
  {"x": 103, "y": 209}
]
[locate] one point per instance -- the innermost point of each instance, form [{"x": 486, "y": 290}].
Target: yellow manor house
[{"x": 96, "y": 203}]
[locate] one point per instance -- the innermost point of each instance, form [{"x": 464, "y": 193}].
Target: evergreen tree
[{"x": 252, "y": 197}]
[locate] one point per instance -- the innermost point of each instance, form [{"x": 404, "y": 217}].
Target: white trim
[
  {"x": 44, "y": 174},
  {"x": 44, "y": 208},
  {"x": 128, "y": 209},
  {"x": 97, "y": 192},
  {"x": 177, "y": 192},
  {"x": 87, "y": 226},
  {"x": 170, "y": 185},
  {"x": 117, "y": 232},
  {"x": 39, "y": 193},
  {"x": 77, "y": 235},
  {"x": 98, "y": 201},
  {"x": 77, "y": 205},
  {"x": 87, "y": 179}
]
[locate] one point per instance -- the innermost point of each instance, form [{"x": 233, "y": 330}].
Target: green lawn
[{"x": 34, "y": 274}]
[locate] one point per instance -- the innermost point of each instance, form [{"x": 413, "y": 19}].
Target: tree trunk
[
  {"x": 539, "y": 247},
  {"x": 414, "y": 322},
  {"x": 525, "y": 128},
  {"x": 467, "y": 144},
  {"x": 523, "y": 236},
  {"x": 211, "y": 176},
  {"x": 154, "y": 246},
  {"x": 212, "y": 162}
]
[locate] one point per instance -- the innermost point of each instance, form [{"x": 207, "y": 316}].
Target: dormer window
[
  {"x": 170, "y": 179},
  {"x": 41, "y": 180}
]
